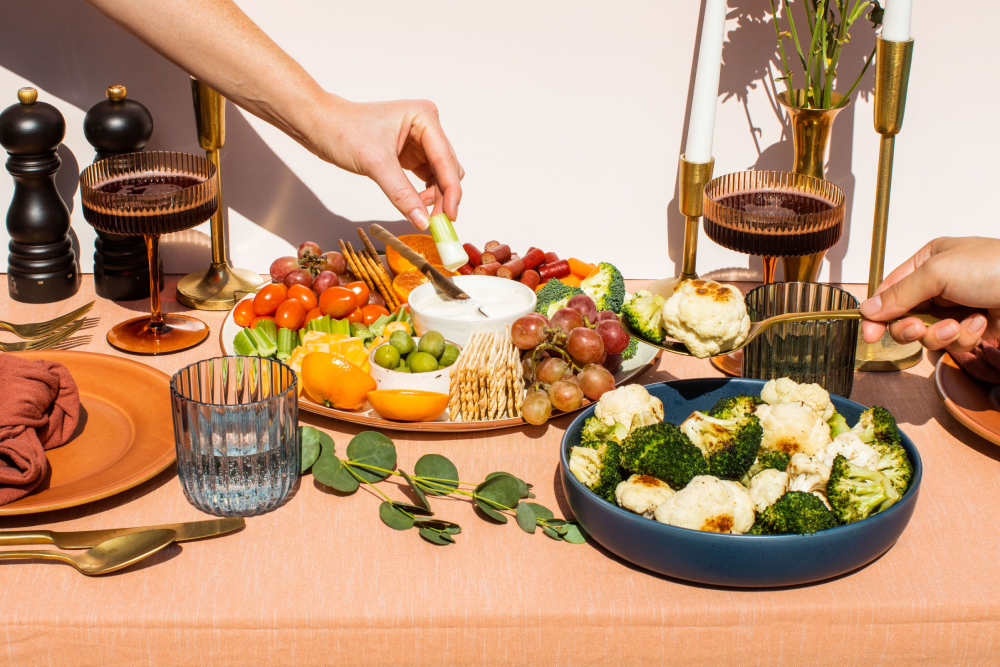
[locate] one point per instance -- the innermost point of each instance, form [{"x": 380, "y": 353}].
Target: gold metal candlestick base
[
  {"x": 218, "y": 288},
  {"x": 887, "y": 355}
]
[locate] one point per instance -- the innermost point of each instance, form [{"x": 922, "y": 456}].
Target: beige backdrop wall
[{"x": 567, "y": 116}]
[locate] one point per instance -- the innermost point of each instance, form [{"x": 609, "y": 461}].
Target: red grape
[
  {"x": 566, "y": 396},
  {"x": 585, "y": 346},
  {"x": 551, "y": 370},
  {"x": 281, "y": 267},
  {"x": 584, "y": 305},
  {"x": 566, "y": 320},
  {"x": 335, "y": 262},
  {"x": 299, "y": 277},
  {"x": 613, "y": 362},
  {"x": 375, "y": 299},
  {"x": 614, "y": 337},
  {"x": 528, "y": 332},
  {"x": 607, "y": 315},
  {"x": 325, "y": 280},
  {"x": 308, "y": 248},
  {"x": 537, "y": 408},
  {"x": 596, "y": 381},
  {"x": 527, "y": 368},
  {"x": 569, "y": 377}
]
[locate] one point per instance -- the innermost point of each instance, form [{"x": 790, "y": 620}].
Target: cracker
[{"x": 497, "y": 376}]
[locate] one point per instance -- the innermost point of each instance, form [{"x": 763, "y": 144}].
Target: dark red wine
[
  {"x": 132, "y": 210},
  {"x": 750, "y": 232}
]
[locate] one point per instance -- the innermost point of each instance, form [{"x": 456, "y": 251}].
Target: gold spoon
[
  {"x": 108, "y": 556},
  {"x": 757, "y": 328}
]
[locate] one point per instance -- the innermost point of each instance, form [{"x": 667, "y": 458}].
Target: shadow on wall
[
  {"x": 73, "y": 51},
  {"x": 750, "y": 57}
]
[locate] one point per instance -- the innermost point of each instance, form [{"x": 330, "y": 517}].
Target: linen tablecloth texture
[{"x": 321, "y": 581}]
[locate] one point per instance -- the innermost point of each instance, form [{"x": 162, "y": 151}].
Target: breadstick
[
  {"x": 352, "y": 261},
  {"x": 383, "y": 275},
  {"x": 384, "y": 290}
]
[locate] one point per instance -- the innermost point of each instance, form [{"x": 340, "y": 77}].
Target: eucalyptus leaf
[
  {"x": 437, "y": 468},
  {"x": 526, "y": 518},
  {"x": 331, "y": 471},
  {"x": 556, "y": 522},
  {"x": 416, "y": 489},
  {"x": 490, "y": 512},
  {"x": 439, "y": 525},
  {"x": 392, "y": 517},
  {"x": 413, "y": 509},
  {"x": 542, "y": 513},
  {"x": 374, "y": 449},
  {"x": 435, "y": 537},
  {"x": 310, "y": 446},
  {"x": 502, "y": 489},
  {"x": 574, "y": 535},
  {"x": 523, "y": 487},
  {"x": 551, "y": 532}
]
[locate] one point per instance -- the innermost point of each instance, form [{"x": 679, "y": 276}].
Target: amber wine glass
[{"x": 148, "y": 194}]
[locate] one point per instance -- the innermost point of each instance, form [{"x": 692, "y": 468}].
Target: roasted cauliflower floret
[
  {"x": 807, "y": 474},
  {"x": 709, "y": 504},
  {"x": 585, "y": 464},
  {"x": 786, "y": 390},
  {"x": 849, "y": 446},
  {"x": 792, "y": 428},
  {"x": 642, "y": 494},
  {"x": 708, "y": 317},
  {"x": 621, "y": 405},
  {"x": 766, "y": 487}
]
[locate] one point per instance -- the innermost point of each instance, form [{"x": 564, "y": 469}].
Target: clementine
[{"x": 422, "y": 243}]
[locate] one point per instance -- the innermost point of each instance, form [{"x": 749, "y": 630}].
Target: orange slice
[
  {"x": 408, "y": 405},
  {"x": 422, "y": 243}
]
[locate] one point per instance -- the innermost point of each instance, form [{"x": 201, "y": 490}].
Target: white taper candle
[
  {"x": 706, "y": 83},
  {"x": 896, "y": 21}
]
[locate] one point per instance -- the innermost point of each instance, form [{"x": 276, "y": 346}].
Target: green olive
[
  {"x": 402, "y": 341},
  {"x": 432, "y": 343},
  {"x": 422, "y": 362},
  {"x": 449, "y": 356},
  {"x": 387, "y": 356}
]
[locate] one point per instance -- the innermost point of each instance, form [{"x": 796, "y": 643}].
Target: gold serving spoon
[
  {"x": 757, "y": 328},
  {"x": 108, "y": 556}
]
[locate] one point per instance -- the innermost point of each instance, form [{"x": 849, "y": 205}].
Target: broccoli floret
[
  {"x": 730, "y": 445},
  {"x": 758, "y": 528},
  {"x": 837, "y": 424},
  {"x": 856, "y": 493},
  {"x": 595, "y": 433},
  {"x": 662, "y": 451},
  {"x": 611, "y": 472},
  {"x": 362, "y": 332},
  {"x": 643, "y": 314},
  {"x": 552, "y": 292},
  {"x": 606, "y": 287},
  {"x": 877, "y": 425},
  {"x": 894, "y": 464},
  {"x": 765, "y": 460},
  {"x": 733, "y": 407},
  {"x": 796, "y": 512},
  {"x": 633, "y": 347}
]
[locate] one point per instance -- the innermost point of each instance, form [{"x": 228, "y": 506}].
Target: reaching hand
[
  {"x": 380, "y": 140},
  {"x": 946, "y": 272}
]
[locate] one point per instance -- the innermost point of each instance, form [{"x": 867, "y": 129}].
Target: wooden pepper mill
[
  {"x": 42, "y": 266},
  {"x": 115, "y": 126}
]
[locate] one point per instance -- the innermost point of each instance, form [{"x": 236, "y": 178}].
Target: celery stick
[
  {"x": 265, "y": 337},
  {"x": 450, "y": 249},
  {"x": 243, "y": 346},
  {"x": 340, "y": 327},
  {"x": 286, "y": 343},
  {"x": 321, "y": 324}
]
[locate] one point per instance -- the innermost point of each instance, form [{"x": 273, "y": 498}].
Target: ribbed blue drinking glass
[{"x": 236, "y": 432}]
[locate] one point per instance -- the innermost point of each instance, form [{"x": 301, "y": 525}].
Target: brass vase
[{"x": 811, "y": 130}]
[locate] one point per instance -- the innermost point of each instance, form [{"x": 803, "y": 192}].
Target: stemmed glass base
[{"x": 176, "y": 333}]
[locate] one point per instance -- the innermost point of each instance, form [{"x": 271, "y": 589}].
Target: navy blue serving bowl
[{"x": 748, "y": 561}]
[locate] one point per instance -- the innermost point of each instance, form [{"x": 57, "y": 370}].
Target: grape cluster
[
  {"x": 568, "y": 357},
  {"x": 315, "y": 270}
]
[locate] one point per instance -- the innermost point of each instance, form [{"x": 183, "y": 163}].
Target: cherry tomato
[
  {"x": 313, "y": 314},
  {"x": 268, "y": 299},
  {"x": 356, "y": 316},
  {"x": 303, "y": 295},
  {"x": 337, "y": 302},
  {"x": 361, "y": 290},
  {"x": 243, "y": 313},
  {"x": 290, "y": 314},
  {"x": 258, "y": 319},
  {"x": 372, "y": 312}
]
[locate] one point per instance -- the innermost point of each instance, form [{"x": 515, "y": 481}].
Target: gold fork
[
  {"x": 42, "y": 329},
  {"x": 44, "y": 343},
  {"x": 758, "y": 328}
]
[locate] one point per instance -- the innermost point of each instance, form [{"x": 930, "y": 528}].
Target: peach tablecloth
[{"x": 321, "y": 581}]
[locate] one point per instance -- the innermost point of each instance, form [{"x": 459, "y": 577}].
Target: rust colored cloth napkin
[
  {"x": 982, "y": 363},
  {"x": 39, "y": 410}
]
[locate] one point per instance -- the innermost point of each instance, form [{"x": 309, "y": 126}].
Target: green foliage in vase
[{"x": 828, "y": 23}]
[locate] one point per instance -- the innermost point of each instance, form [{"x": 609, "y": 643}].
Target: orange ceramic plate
[
  {"x": 970, "y": 401},
  {"x": 125, "y": 435}
]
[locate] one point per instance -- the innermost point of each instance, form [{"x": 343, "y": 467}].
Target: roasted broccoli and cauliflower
[
  {"x": 708, "y": 317},
  {"x": 783, "y": 463}
]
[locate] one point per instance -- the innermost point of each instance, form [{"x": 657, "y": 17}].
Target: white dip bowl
[
  {"x": 438, "y": 381},
  {"x": 505, "y": 300}
]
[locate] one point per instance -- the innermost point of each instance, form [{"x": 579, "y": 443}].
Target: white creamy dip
[{"x": 497, "y": 296}]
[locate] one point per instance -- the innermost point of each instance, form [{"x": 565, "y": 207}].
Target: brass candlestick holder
[
  {"x": 692, "y": 178},
  {"x": 892, "y": 74},
  {"x": 221, "y": 285}
]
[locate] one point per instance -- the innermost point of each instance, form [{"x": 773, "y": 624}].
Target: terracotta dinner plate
[
  {"x": 970, "y": 401},
  {"x": 125, "y": 435}
]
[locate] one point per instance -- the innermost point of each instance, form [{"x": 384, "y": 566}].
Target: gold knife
[{"x": 86, "y": 539}]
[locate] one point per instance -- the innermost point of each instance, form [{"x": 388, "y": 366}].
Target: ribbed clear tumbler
[
  {"x": 820, "y": 352},
  {"x": 236, "y": 432}
]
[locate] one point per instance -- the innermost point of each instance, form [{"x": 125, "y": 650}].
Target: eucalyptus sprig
[
  {"x": 828, "y": 22},
  {"x": 371, "y": 458}
]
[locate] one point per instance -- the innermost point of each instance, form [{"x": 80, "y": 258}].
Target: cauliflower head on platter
[
  {"x": 766, "y": 487},
  {"x": 792, "y": 428},
  {"x": 709, "y": 504},
  {"x": 708, "y": 317},
  {"x": 642, "y": 494},
  {"x": 621, "y": 406}
]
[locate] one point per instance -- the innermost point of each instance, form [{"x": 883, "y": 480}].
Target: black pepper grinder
[
  {"x": 115, "y": 126},
  {"x": 42, "y": 266}
]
